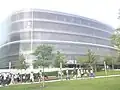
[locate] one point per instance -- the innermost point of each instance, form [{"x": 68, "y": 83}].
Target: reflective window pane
[
  {"x": 22, "y": 15},
  {"x": 25, "y": 46}
]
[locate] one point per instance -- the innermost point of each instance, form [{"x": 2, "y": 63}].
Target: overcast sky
[{"x": 105, "y": 11}]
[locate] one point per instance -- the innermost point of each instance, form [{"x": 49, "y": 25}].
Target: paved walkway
[{"x": 70, "y": 79}]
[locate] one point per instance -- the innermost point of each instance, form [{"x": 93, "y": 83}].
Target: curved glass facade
[{"x": 71, "y": 34}]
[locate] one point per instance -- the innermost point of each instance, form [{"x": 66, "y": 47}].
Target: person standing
[
  {"x": 15, "y": 78},
  {"x": 24, "y": 78},
  {"x": 1, "y": 79},
  {"x": 59, "y": 73},
  {"x": 87, "y": 72},
  {"x": 8, "y": 79},
  {"x": 40, "y": 76},
  {"x": 4, "y": 79},
  {"x": 31, "y": 77},
  {"x": 67, "y": 75},
  {"x": 82, "y": 73},
  {"x": 75, "y": 73},
  {"x": 19, "y": 78},
  {"x": 91, "y": 73},
  {"x": 78, "y": 73},
  {"x": 12, "y": 79}
]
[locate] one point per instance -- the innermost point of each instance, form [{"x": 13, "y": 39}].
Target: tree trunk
[
  {"x": 91, "y": 67},
  {"x": 43, "y": 75},
  {"x": 61, "y": 69},
  {"x": 95, "y": 68},
  {"x": 112, "y": 65}
]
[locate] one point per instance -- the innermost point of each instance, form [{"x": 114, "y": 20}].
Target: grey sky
[{"x": 105, "y": 11}]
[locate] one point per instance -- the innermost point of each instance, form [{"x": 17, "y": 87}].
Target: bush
[{"x": 54, "y": 73}]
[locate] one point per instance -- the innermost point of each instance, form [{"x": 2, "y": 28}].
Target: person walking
[
  {"x": 78, "y": 73},
  {"x": 59, "y": 73},
  {"x": 92, "y": 73},
  {"x": 87, "y": 72},
  {"x": 67, "y": 75},
  {"x": 31, "y": 77},
  {"x": 12, "y": 79},
  {"x": 75, "y": 73},
  {"x": 4, "y": 79},
  {"x": 40, "y": 76},
  {"x": 24, "y": 78}
]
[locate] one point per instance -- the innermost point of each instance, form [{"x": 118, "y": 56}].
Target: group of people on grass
[
  {"x": 10, "y": 78},
  {"x": 83, "y": 73},
  {"x": 76, "y": 73}
]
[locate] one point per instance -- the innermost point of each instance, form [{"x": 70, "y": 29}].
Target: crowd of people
[
  {"x": 77, "y": 73},
  {"x": 10, "y": 78},
  {"x": 7, "y": 78},
  {"x": 83, "y": 73}
]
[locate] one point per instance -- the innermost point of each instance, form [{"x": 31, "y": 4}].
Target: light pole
[
  {"x": 61, "y": 69},
  {"x": 29, "y": 26},
  {"x": 10, "y": 64},
  {"x": 25, "y": 56}
]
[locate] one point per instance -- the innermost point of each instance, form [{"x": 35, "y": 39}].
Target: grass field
[
  {"x": 102, "y": 73},
  {"x": 109, "y": 72},
  {"x": 90, "y": 84}
]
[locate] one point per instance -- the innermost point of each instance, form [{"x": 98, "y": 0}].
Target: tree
[
  {"x": 118, "y": 58},
  {"x": 109, "y": 61},
  {"x": 116, "y": 42},
  {"x": 91, "y": 58},
  {"x": 117, "y": 62},
  {"x": 59, "y": 58},
  {"x": 43, "y": 53},
  {"x": 38, "y": 63},
  {"x": 81, "y": 60},
  {"x": 21, "y": 63},
  {"x": 116, "y": 38}
]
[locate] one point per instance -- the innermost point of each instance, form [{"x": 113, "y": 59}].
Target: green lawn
[
  {"x": 109, "y": 72},
  {"x": 92, "y": 84},
  {"x": 102, "y": 73}
]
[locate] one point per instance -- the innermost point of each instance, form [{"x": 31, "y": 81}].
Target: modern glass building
[{"x": 71, "y": 34}]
